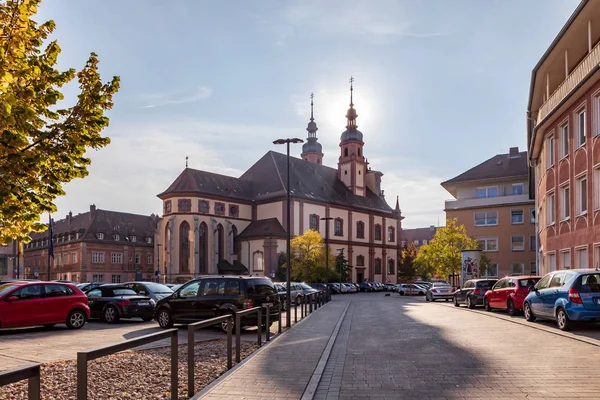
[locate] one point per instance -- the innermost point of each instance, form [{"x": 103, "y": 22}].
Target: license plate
[
  {"x": 143, "y": 303},
  {"x": 265, "y": 305}
]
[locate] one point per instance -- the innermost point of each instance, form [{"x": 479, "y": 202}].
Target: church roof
[
  {"x": 263, "y": 228},
  {"x": 266, "y": 179}
]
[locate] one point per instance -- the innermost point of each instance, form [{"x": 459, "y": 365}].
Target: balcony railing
[
  {"x": 487, "y": 201},
  {"x": 567, "y": 86}
]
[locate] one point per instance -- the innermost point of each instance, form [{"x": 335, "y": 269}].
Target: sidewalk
[{"x": 284, "y": 368}]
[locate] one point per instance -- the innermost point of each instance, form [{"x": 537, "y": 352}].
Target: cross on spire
[
  {"x": 351, "y": 89},
  {"x": 186, "y": 161},
  {"x": 312, "y": 95}
]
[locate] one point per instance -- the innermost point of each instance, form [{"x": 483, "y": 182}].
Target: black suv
[
  {"x": 211, "y": 296},
  {"x": 472, "y": 292}
]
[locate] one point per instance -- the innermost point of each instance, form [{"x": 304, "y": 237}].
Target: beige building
[
  {"x": 11, "y": 266},
  {"x": 492, "y": 201},
  {"x": 221, "y": 224}
]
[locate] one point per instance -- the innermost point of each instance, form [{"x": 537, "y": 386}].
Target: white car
[
  {"x": 350, "y": 287},
  {"x": 409, "y": 289}
]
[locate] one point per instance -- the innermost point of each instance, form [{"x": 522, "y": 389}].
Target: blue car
[{"x": 565, "y": 296}]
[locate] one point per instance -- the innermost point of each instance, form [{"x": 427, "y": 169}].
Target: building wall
[
  {"x": 271, "y": 210},
  {"x": 504, "y": 257},
  {"x": 581, "y": 231},
  {"x": 9, "y": 261}
]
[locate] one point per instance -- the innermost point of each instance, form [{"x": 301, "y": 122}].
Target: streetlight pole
[
  {"x": 289, "y": 234},
  {"x": 327, "y": 219}
]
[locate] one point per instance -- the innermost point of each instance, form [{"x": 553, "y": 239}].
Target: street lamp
[
  {"x": 326, "y": 219},
  {"x": 289, "y": 235}
]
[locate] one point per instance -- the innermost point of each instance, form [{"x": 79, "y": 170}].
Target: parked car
[
  {"x": 297, "y": 292},
  {"x": 322, "y": 287},
  {"x": 508, "y": 293},
  {"x": 350, "y": 287},
  {"x": 334, "y": 288},
  {"x": 424, "y": 284},
  {"x": 208, "y": 297},
  {"x": 173, "y": 286},
  {"x": 65, "y": 281},
  {"x": 155, "y": 291},
  {"x": 565, "y": 296},
  {"x": 389, "y": 287},
  {"x": 472, "y": 292},
  {"x": 42, "y": 303},
  {"x": 306, "y": 289},
  {"x": 366, "y": 287},
  {"x": 84, "y": 287},
  {"x": 439, "y": 291},
  {"x": 408, "y": 289},
  {"x": 111, "y": 302}
]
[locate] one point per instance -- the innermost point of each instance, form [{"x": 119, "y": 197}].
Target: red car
[
  {"x": 508, "y": 293},
  {"x": 42, "y": 303}
]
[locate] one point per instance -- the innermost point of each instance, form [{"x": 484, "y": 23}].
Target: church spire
[
  {"x": 312, "y": 150},
  {"x": 351, "y": 115}
]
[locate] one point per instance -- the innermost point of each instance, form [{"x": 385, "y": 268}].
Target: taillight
[
  {"x": 248, "y": 303},
  {"x": 433, "y": 290},
  {"x": 476, "y": 291},
  {"x": 124, "y": 303},
  {"x": 574, "y": 296}
]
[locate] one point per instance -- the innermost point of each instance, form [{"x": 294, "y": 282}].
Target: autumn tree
[
  {"x": 308, "y": 257},
  {"x": 442, "y": 256},
  {"x": 406, "y": 263},
  {"x": 42, "y": 145}
]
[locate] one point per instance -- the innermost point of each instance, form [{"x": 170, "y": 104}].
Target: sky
[{"x": 440, "y": 86}]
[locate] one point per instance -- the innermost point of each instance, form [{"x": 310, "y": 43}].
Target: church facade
[{"x": 210, "y": 218}]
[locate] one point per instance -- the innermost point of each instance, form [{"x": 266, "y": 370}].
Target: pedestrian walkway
[{"x": 284, "y": 368}]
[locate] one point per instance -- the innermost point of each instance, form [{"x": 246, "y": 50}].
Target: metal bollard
[
  {"x": 238, "y": 338},
  {"x": 296, "y": 312},
  {"x": 267, "y": 326},
  {"x": 229, "y": 342},
  {"x": 259, "y": 319},
  {"x": 311, "y": 298},
  {"x": 279, "y": 321}
]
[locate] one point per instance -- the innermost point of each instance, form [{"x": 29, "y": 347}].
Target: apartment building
[
  {"x": 492, "y": 201},
  {"x": 564, "y": 143},
  {"x": 417, "y": 236}
]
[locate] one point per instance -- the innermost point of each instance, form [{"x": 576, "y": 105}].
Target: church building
[{"x": 210, "y": 220}]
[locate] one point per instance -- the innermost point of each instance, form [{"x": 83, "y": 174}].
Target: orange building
[{"x": 492, "y": 201}]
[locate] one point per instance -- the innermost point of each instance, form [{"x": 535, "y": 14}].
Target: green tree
[
  {"x": 406, "y": 263},
  {"x": 42, "y": 146},
  {"x": 442, "y": 256},
  {"x": 343, "y": 270},
  {"x": 280, "y": 274},
  {"x": 308, "y": 257}
]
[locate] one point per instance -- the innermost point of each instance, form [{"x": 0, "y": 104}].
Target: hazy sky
[{"x": 440, "y": 85}]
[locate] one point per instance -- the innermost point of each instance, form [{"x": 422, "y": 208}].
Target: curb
[
  {"x": 313, "y": 384},
  {"x": 590, "y": 341},
  {"x": 207, "y": 389}
]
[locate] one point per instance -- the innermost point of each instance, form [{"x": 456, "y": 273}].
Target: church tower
[
  {"x": 312, "y": 150},
  {"x": 352, "y": 165}
]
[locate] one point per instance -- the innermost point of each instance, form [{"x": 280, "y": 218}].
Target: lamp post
[
  {"x": 326, "y": 219},
  {"x": 289, "y": 235}
]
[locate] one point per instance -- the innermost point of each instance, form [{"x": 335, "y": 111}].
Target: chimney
[
  {"x": 92, "y": 207},
  {"x": 431, "y": 228},
  {"x": 513, "y": 152}
]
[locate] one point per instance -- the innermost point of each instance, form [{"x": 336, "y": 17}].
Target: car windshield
[
  {"x": 124, "y": 292},
  {"x": 261, "y": 286},
  {"x": 158, "y": 288},
  {"x": 305, "y": 286},
  {"x": 7, "y": 287},
  {"x": 528, "y": 282},
  {"x": 485, "y": 284}
]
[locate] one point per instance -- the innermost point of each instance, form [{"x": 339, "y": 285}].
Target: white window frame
[
  {"x": 100, "y": 236},
  {"x": 148, "y": 258},
  {"x": 98, "y": 278},
  {"x": 115, "y": 278},
  {"x": 487, "y": 191},
  {"x": 578, "y": 115},
  {"x": 551, "y": 261},
  {"x": 74, "y": 257},
  {"x": 565, "y": 202},
  {"x": 512, "y": 244},
  {"x": 486, "y": 246},
  {"x": 550, "y": 150},
  {"x": 97, "y": 257},
  {"x": 116, "y": 237},
  {"x": 564, "y": 139},
  {"x": 492, "y": 273},
  {"x": 522, "y": 216},
  {"x": 521, "y": 267},
  {"x": 550, "y": 208},
  {"x": 516, "y": 185},
  {"x": 581, "y": 183},
  {"x": 565, "y": 259},
  {"x": 578, "y": 252},
  {"x": 138, "y": 258},
  {"x": 486, "y": 218},
  {"x": 116, "y": 258},
  {"x": 532, "y": 215}
]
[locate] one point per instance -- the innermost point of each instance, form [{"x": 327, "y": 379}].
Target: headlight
[{"x": 152, "y": 302}]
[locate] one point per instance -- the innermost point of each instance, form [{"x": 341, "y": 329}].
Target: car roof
[{"x": 521, "y": 277}]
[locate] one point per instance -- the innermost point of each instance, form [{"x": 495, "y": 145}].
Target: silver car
[
  {"x": 439, "y": 291},
  {"x": 408, "y": 289}
]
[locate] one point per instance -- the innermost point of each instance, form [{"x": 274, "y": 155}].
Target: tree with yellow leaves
[{"x": 308, "y": 258}]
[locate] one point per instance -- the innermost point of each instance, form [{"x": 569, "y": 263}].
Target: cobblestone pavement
[{"x": 39, "y": 345}]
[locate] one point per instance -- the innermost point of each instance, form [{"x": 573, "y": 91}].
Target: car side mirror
[
  {"x": 13, "y": 298},
  {"x": 532, "y": 288}
]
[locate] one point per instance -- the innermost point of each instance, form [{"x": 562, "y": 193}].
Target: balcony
[
  {"x": 568, "y": 85},
  {"x": 487, "y": 202}
]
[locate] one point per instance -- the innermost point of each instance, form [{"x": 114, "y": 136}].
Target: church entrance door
[{"x": 359, "y": 277}]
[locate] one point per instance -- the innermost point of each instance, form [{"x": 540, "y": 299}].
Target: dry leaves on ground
[{"x": 144, "y": 374}]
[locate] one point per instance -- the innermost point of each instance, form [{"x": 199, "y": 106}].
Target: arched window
[
  {"x": 360, "y": 261},
  {"x": 377, "y": 232},
  {"x": 360, "y": 230},
  {"x": 258, "y": 261},
  {"x": 184, "y": 247},
  {"x": 220, "y": 243},
  {"x": 346, "y": 152},
  {"x": 234, "y": 233},
  {"x": 391, "y": 234},
  {"x": 378, "y": 266},
  {"x": 338, "y": 227},
  {"x": 203, "y": 248},
  {"x": 391, "y": 266},
  {"x": 359, "y": 151},
  {"x": 313, "y": 222}
]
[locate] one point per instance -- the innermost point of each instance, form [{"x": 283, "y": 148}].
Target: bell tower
[
  {"x": 352, "y": 165},
  {"x": 312, "y": 150}
]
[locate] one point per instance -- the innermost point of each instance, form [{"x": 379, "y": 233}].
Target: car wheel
[
  {"x": 225, "y": 323},
  {"x": 486, "y": 304},
  {"x": 510, "y": 308},
  {"x": 456, "y": 302},
  {"x": 470, "y": 303},
  {"x": 76, "y": 319},
  {"x": 146, "y": 319},
  {"x": 562, "y": 320},
  {"x": 528, "y": 312},
  {"x": 164, "y": 318},
  {"x": 421, "y": 293},
  {"x": 111, "y": 315},
  {"x": 401, "y": 293},
  {"x": 299, "y": 300}
]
